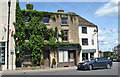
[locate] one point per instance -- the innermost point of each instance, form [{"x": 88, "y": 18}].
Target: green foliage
[
  {"x": 56, "y": 29},
  {"x": 52, "y": 40},
  {"x": 62, "y": 33},
  {"x": 29, "y": 6},
  {"x": 35, "y": 32},
  {"x": 42, "y": 61},
  {"x": 53, "y": 61},
  {"x": 60, "y": 44}
]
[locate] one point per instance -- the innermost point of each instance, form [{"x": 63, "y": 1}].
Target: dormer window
[
  {"x": 64, "y": 20},
  {"x": 45, "y": 19},
  {"x": 27, "y": 18}
]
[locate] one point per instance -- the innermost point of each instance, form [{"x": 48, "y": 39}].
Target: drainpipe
[{"x": 9, "y": 4}]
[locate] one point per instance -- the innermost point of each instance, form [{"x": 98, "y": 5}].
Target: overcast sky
[{"x": 103, "y": 14}]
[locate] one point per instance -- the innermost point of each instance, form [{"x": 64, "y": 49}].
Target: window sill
[
  {"x": 64, "y": 25},
  {"x": 84, "y": 33},
  {"x": 65, "y": 41},
  {"x": 85, "y": 45},
  {"x": 47, "y": 24}
]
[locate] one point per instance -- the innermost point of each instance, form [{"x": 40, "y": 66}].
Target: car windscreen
[{"x": 90, "y": 59}]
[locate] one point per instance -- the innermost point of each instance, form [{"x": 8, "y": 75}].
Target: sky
[{"x": 103, "y": 14}]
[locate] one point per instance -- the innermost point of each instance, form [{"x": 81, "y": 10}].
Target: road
[{"x": 112, "y": 71}]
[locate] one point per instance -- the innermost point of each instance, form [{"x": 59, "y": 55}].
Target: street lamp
[
  {"x": 95, "y": 31},
  {"x": 9, "y": 5}
]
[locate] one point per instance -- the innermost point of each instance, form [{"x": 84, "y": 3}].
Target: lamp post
[{"x": 9, "y": 5}]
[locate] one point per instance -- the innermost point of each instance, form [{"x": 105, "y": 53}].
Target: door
[
  {"x": 72, "y": 57},
  {"x": 99, "y": 62},
  {"x": 46, "y": 56},
  {"x": 84, "y": 56}
]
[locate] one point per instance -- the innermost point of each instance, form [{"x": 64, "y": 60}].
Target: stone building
[
  {"x": 72, "y": 25},
  {"x": 64, "y": 55},
  {"x": 68, "y": 22},
  {"x": 77, "y": 30}
]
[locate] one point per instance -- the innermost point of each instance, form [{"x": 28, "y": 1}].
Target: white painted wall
[
  {"x": 4, "y": 23},
  {"x": 90, "y": 34}
]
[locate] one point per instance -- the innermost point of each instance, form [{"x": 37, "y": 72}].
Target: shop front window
[
  {"x": 84, "y": 56},
  {"x": 91, "y": 55},
  {"x": 63, "y": 56},
  {"x": 2, "y": 52}
]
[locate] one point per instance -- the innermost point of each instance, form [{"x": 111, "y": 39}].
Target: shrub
[
  {"x": 29, "y": 6},
  {"x": 42, "y": 61},
  {"x": 54, "y": 61}
]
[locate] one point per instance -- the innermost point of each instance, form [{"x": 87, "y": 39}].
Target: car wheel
[
  {"x": 108, "y": 66},
  {"x": 90, "y": 67},
  {"x": 78, "y": 68}
]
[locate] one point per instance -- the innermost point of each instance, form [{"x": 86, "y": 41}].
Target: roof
[
  {"x": 81, "y": 20},
  {"x": 84, "y": 22}
]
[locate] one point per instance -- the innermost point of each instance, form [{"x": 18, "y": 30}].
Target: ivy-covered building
[
  {"x": 45, "y": 38},
  {"x": 59, "y": 42}
]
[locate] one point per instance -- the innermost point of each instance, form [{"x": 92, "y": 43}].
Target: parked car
[
  {"x": 114, "y": 59},
  {"x": 95, "y": 63},
  {"x": 118, "y": 58}
]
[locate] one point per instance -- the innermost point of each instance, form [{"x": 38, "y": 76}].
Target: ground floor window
[
  {"x": 71, "y": 55},
  {"x": 2, "y": 52},
  {"x": 63, "y": 56},
  {"x": 91, "y": 55},
  {"x": 84, "y": 56},
  {"x": 27, "y": 58}
]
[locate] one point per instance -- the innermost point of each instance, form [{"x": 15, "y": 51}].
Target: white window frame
[{"x": 63, "y": 56}]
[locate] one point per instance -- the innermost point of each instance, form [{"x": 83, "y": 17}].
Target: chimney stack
[{"x": 61, "y": 11}]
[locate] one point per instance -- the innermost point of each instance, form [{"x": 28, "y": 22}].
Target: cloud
[
  {"x": 101, "y": 38},
  {"x": 107, "y": 31},
  {"x": 114, "y": 42},
  {"x": 103, "y": 42},
  {"x": 109, "y": 9}
]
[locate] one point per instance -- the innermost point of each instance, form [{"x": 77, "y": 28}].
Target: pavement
[
  {"x": 63, "y": 71},
  {"x": 37, "y": 69}
]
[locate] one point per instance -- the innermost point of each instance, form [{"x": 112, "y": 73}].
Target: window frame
[
  {"x": 44, "y": 20},
  {"x": 86, "y": 40},
  {"x": 65, "y": 35},
  {"x": 84, "y": 30},
  {"x": 64, "y": 56},
  {"x": 93, "y": 42},
  {"x": 64, "y": 20}
]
